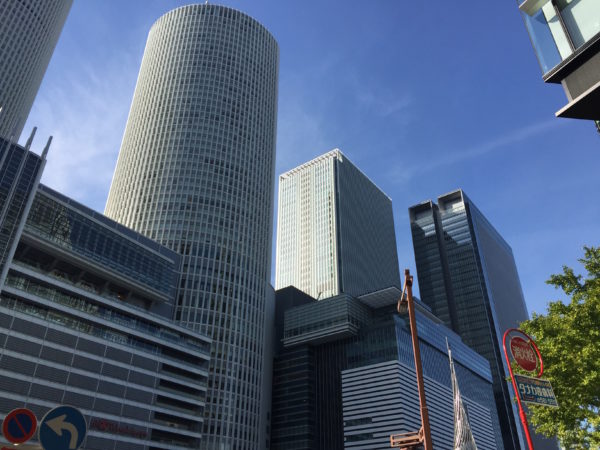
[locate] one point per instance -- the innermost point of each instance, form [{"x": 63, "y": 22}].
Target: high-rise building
[
  {"x": 566, "y": 37},
  {"x": 468, "y": 276},
  {"x": 86, "y": 320},
  {"x": 335, "y": 230},
  {"x": 29, "y": 30},
  {"x": 344, "y": 375},
  {"x": 196, "y": 173}
]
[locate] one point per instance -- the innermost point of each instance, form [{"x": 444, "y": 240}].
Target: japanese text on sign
[{"x": 536, "y": 391}]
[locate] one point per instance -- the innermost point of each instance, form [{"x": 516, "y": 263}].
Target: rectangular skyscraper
[
  {"x": 335, "y": 230},
  {"x": 468, "y": 276}
]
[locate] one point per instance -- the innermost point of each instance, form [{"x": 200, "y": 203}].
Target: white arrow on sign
[{"x": 58, "y": 424}]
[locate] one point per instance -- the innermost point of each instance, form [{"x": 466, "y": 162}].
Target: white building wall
[
  {"x": 306, "y": 228},
  {"x": 335, "y": 230}
]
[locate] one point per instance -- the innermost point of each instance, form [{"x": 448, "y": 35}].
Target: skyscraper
[
  {"x": 468, "y": 276},
  {"x": 335, "y": 230},
  {"x": 29, "y": 30},
  {"x": 566, "y": 38},
  {"x": 196, "y": 173}
]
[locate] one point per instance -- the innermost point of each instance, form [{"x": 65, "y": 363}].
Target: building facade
[
  {"x": 468, "y": 276},
  {"x": 196, "y": 173},
  {"x": 29, "y": 31},
  {"x": 335, "y": 230},
  {"x": 344, "y": 375},
  {"x": 20, "y": 173},
  {"x": 566, "y": 38},
  {"x": 86, "y": 319}
]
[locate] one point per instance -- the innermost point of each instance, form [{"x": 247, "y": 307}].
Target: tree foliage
[{"x": 568, "y": 337}]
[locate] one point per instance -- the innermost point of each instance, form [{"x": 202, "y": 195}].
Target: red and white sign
[
  {"x": 523, "y": 353},
  {"x": 19, "y": 426}
]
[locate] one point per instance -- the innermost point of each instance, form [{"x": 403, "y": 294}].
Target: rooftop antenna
[
  {"x": 45, "y": 151},
  {"x": 30, "y": 140}
]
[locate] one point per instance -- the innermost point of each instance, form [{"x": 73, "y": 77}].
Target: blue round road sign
[
  {"x": 62, "y": 428},
  {"x": 19, "y": 426}
]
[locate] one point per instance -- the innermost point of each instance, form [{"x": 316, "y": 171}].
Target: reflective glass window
[{"x": 581, "y": 18}]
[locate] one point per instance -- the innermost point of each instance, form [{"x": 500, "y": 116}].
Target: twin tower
[{"x": 196, "y": 174}]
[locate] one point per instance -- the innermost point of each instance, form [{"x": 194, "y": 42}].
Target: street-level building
[
  {"x": 86, "y": 313},
  {"x": 344, "y": 375},
  {"x": 566, "y": 37},
  {"x": 335, "y": 230}
]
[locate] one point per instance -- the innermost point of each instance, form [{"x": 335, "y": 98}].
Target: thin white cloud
[
  {"x": 383, "y": 104},
  {"x": 86, "y": 114},
  {"x": 406, "y": 173},
  {"x": 300, "y": 137}
]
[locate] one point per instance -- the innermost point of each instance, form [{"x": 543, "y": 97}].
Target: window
[
  {"x": 559, "y": 27},
  {"x": 581, "y": 18}
]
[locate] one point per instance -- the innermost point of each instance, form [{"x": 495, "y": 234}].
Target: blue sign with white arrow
[{"x": 62, "y": 428}]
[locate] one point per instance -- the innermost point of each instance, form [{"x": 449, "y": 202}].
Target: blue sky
[{"x": 424, "y": 97}]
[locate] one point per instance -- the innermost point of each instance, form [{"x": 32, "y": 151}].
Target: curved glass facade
[
  {"x": 29, "y": 30},
  {"x": 196, "y": 173}
]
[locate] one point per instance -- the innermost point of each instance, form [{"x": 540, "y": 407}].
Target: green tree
[{"x": 568, "y": 337}]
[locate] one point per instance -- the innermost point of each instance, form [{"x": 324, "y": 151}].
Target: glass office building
[
  {"x": 468, "y": 276},
  {"x": 344, "y": 375},
  {"x": 196, "y": 174},
  {"x": 335, "y": 230},
  {"x": 29, "y": 31},
  {"x": 20, "y": 173},
  {"x": 566, "y": 37},
  {"x": 86, "y": 320},
  {"x": 86, "y": 309}
]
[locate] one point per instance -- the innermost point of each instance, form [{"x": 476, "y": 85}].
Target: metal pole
[
  {"x": 512, "y": 378},
  {"x": 408, "y": 280}
]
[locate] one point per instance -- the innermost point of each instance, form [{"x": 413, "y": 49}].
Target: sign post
[{"x": 526, "y": 355}]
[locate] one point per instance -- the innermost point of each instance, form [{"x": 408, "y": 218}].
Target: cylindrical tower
[
  {"x": 29, "y": 30},
  {"x": 196, "y": 173}
]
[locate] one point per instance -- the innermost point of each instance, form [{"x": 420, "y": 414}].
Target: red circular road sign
[
  {"x": 523, "y": 353},
  {"x": 19, "y": 426}
]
